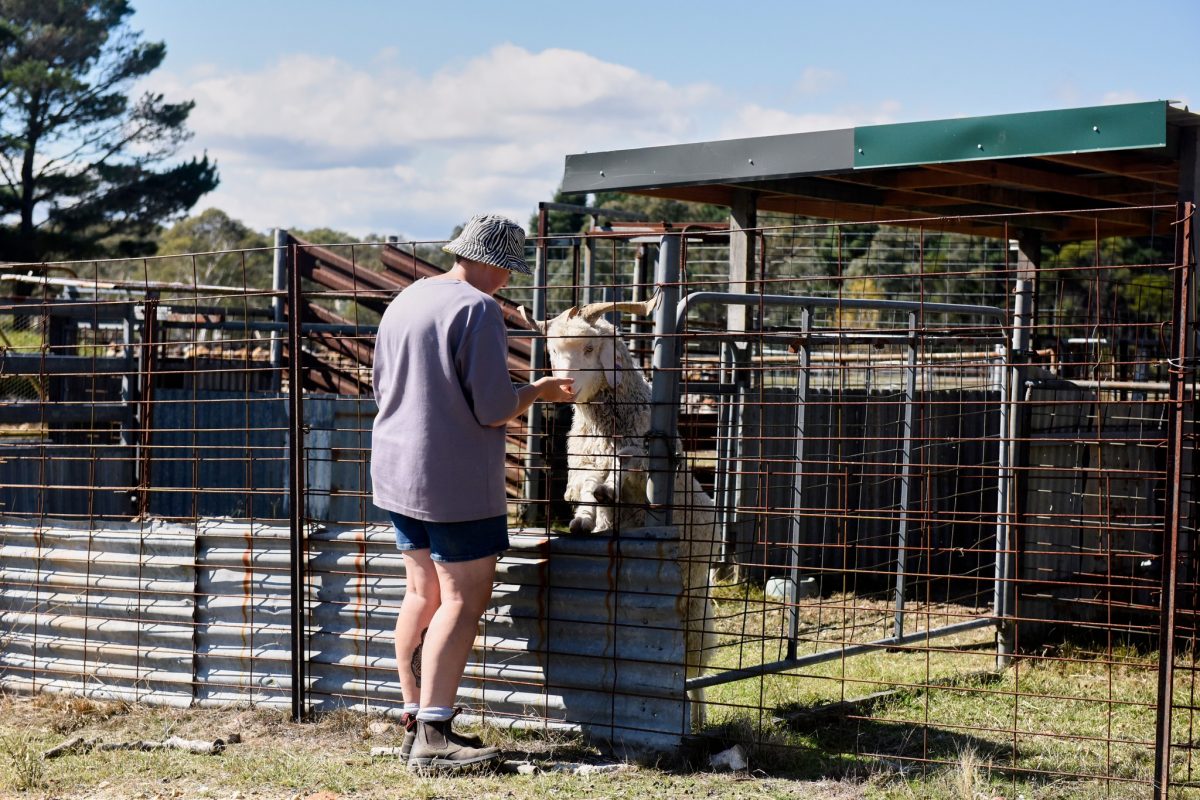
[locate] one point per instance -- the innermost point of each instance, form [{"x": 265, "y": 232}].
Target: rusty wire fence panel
[{"x": 940, "y": 528}]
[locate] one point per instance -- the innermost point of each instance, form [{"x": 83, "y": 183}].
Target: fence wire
[{"x": 944, "y": 496}]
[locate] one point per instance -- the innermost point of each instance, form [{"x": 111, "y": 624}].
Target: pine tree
[{"x": 82, "y": 164}]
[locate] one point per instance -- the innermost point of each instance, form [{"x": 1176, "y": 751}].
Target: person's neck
[{"x": 478, "y": 275}]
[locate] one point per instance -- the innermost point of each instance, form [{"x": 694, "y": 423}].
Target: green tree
[
  {"x": 80, "y": 159},
  {"x": 661, "y": 209},
  {"x": 654, "y": 209},
  {"x": 227, "y": 252}
]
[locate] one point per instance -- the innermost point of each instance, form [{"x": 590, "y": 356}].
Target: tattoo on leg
[{"x": 415, "y": 664}]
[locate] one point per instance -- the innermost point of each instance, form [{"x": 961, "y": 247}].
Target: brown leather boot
[
  {"x": 437, "y": 747},
  {"x": 409, "y": 723}
]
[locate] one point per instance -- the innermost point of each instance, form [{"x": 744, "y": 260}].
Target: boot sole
[{"x": 435, "y": 764}]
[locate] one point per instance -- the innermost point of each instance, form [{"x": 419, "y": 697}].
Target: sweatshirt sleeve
[{"x": 482, "y": 364}]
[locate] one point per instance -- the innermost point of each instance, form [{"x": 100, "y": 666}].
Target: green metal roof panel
[{"x": 1037, "y": 133}]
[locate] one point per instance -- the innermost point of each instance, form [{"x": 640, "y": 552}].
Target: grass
[
  {"x": 941, "y": 721},
  {"x": 278, "y": 759},
  {"x": 938, "y": 722}
]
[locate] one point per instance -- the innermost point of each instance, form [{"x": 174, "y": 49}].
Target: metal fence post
[
  {"x": 536, "y": 480},
  {"x": 1017, "y": 433},
  {"x": 296, "y": 486},
  {"x": 1181, "y": 364},
  {"x": 149, "y": 356},
  {"x": 910, "y": 402},
  {"x": 279, "y": 285},
  {"x": 664, "y": 420},
  {"x": 802, "y": 384}
]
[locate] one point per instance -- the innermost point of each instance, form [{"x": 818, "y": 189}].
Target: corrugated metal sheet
[
  {"x": 243, "y": 645},
  {"x": 852, "y": 465},
  {"x": 338, "y": 452},
  {"x": 64, "y": 480},
  {"x": 223, "y": 454},
  {"x": 1091, "y": 541},
  {"x": 583, "y": 633},
  {"x": 106, "y": 613}
]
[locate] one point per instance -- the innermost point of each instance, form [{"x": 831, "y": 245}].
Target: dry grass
[
  {"x": 947, "y": 727},
  {"x": 280, "y": 760}
]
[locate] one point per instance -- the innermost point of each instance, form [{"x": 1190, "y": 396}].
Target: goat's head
[{"x": 585, "y": 346}]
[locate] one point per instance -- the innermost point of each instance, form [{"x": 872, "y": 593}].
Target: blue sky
[{"x": 408, "y": 117}]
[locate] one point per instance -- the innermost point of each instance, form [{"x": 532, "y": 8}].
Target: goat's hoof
[
  {"x": 605, "y": 494},
  {"x": 582, "y": 525}
]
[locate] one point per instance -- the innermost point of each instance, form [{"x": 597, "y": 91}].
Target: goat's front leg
[{"x": 581, "y": 490}]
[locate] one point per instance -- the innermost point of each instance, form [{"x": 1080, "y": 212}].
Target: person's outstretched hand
[{"x": 556, "y": 390}]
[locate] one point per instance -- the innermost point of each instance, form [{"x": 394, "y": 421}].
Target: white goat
[{"x": 606, "y": 457}]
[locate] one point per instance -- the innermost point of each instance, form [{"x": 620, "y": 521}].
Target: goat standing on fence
[
  {"x": 437, "y": 466},
  {"x": 606, "y": 456}
]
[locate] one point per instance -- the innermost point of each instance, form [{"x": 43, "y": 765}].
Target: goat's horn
[{"x": 592, "y": 311}]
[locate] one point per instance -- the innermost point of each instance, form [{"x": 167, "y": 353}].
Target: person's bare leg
[
  {"x": 422, "y": 596},
  {"x": 466, "y": 590}
]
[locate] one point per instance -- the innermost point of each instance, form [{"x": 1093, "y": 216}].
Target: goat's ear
[
  {"x": 534, "y": 324},
  {"x": 608, "y": 362}
]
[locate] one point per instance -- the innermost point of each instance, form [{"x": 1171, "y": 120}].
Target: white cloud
[
  {"x": 817, "y": 80},
  {"x": 1119, "y": 98},
  {"x": 314, "y": 141},
  {"x": 754, "y": 120}
]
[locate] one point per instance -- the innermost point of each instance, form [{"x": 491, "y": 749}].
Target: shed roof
[{"x": 1052, "y": 169}]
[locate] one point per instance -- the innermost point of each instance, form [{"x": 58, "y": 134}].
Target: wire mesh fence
[{"x": 911, "y": 494}]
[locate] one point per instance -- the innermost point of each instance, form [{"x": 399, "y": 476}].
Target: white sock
[
  {"x": 412, "y": 708},
  {"x": 435, "y": 714}
]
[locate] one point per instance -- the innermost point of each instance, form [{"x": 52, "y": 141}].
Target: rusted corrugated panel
[
  {"x": 583, "y": 633},
  {"x": 103, "y": 612},
  {"x": 243, "y": 620}
]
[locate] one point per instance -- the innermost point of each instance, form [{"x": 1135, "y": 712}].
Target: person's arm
[{"x": 554, "y": 390}]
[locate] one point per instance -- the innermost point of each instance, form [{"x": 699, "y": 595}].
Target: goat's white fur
[{"x": 606, "y": 461}]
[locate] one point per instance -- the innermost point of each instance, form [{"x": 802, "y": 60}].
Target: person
[{"x": 437, "y": 466}]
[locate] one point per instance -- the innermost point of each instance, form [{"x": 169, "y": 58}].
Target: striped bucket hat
[{"x": 492, "y": 239}]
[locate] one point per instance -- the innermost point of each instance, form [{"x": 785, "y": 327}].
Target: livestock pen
[{"x": 952, "y": 464}]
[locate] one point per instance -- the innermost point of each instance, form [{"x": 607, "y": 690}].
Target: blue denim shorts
[{"x": 452, "y": 541}]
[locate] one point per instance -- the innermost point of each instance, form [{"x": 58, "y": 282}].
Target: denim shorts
[{"x": 452, "y": 541}]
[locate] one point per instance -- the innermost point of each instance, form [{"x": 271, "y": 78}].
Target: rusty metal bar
[
  {"x": 1182, "y": 333},
  {"x": 535, "y": 479},
  {"x": 297, "y": 485},
  {"x": 149, "y": 355}
]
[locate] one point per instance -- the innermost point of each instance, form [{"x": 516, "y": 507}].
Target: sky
[{"x": 406, "y": 118}]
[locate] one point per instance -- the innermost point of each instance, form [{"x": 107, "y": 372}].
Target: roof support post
[
  {"x": 743, "y": 219},
  {"x": 661, "y": 441},
  {"x": 1010, "y": 535}
]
